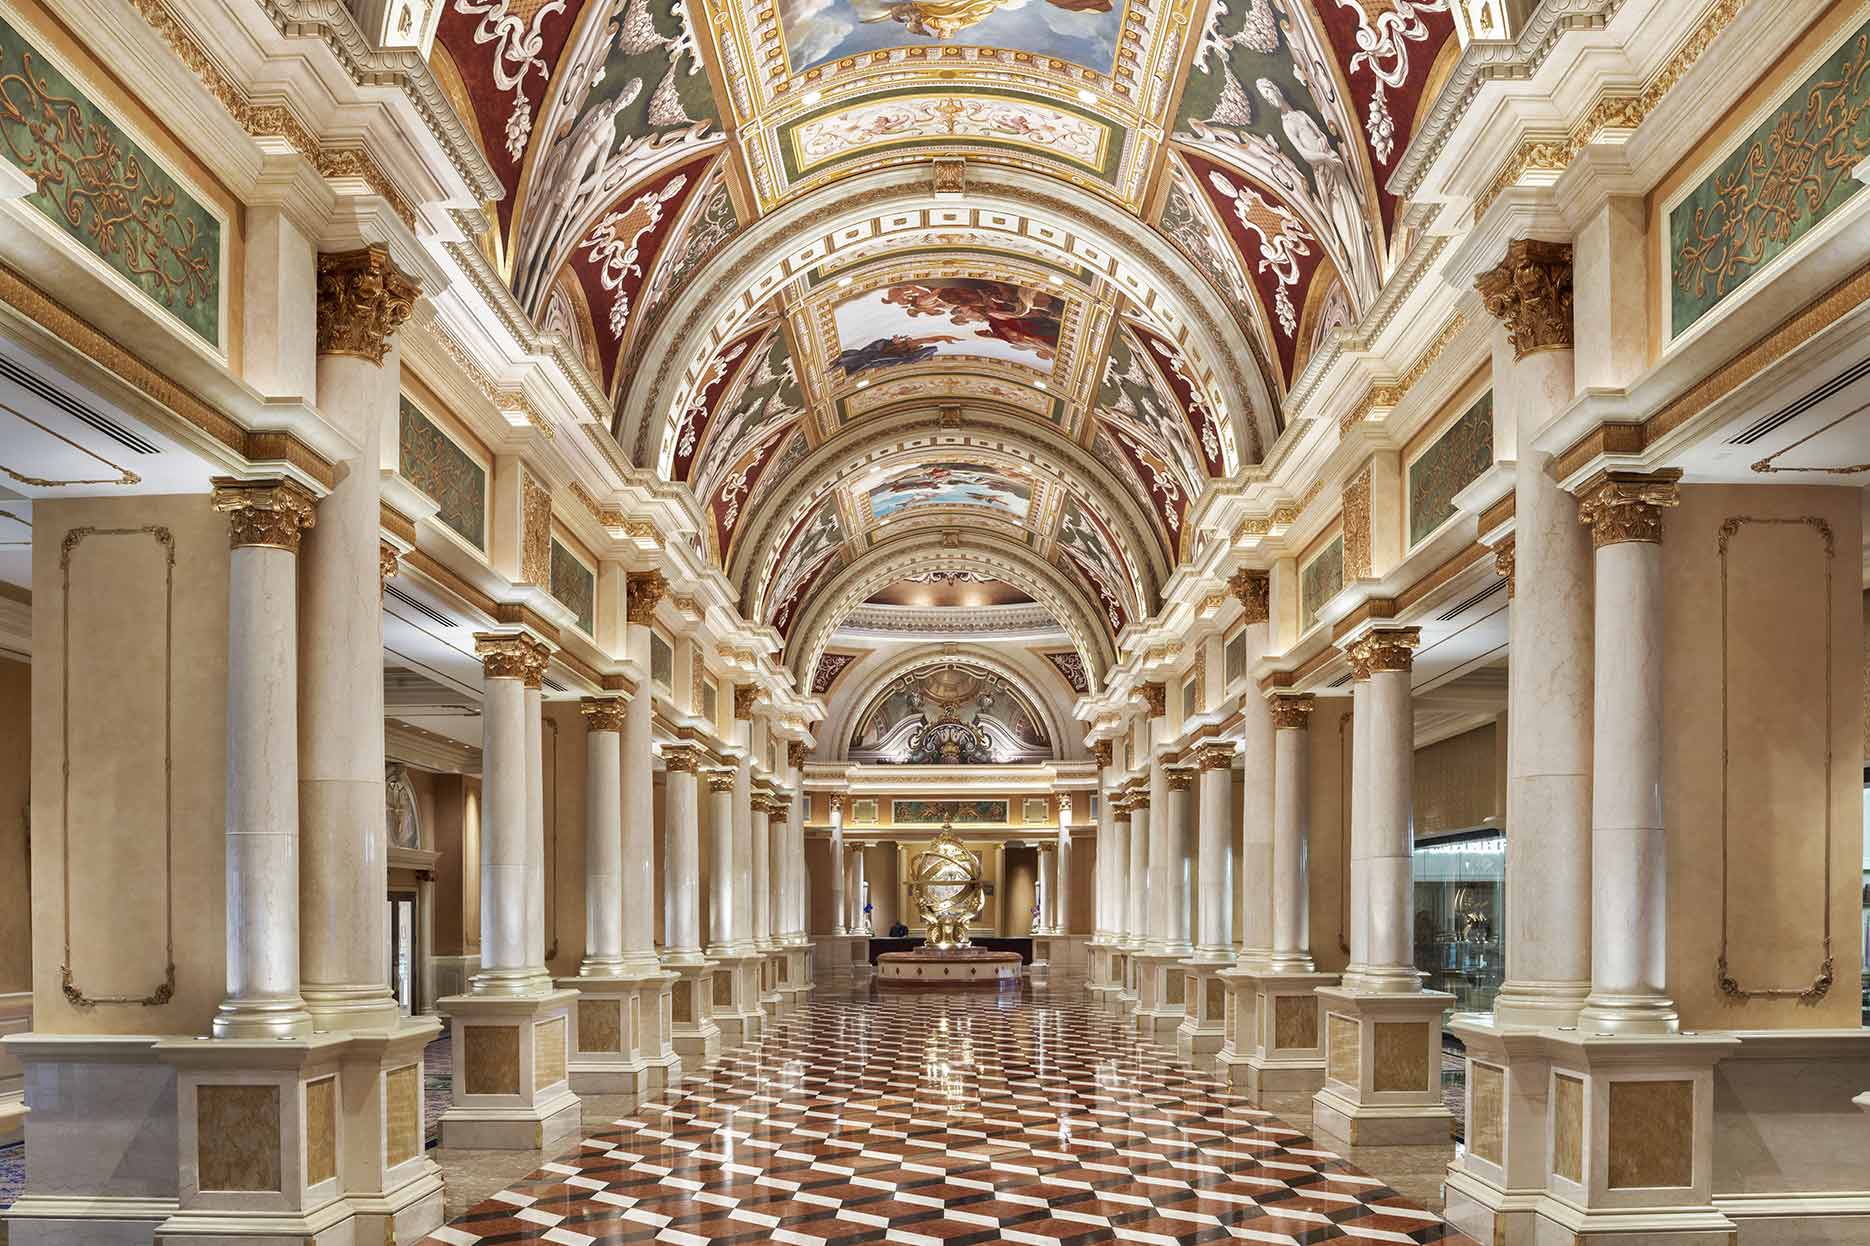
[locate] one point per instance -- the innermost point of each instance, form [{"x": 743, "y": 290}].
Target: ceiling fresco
[{"x": 769, "y": 231}]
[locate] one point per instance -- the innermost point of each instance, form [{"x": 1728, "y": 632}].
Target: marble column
[
  {"x": 759, "y": 871},
  {"x": 860, "y": 924},
  {"x": 721, "y": 929},
  {"x": 681, "y": 862},
  {"x": 535, "y": 818},
  {"x": 1136, "y": 886},
  {"x": 1216, "y": 853},
  {"x": 779, "y": 871},
  {"x": 1357, "y": 922},
  {"x": 506, "y": 944},
  {"x": 1549, "y": 705},
  {"x": 1175, "y": 838},
  {"x": 1629, "y": 847},
  {"x": 1119, "y": 878},
  {"x": 1048, "y": 890},
  {"x": 840, "y": 922},
  {"x": 1390, "y": 793},
  {"x": 265, "y": 520},
  {"x": 343, "y": 847},
  {"x": 1061, "y": 905},
  {"x": 637, "y": 806},
  {"x": 1253, "y": 589},
  {"x": 1291, "y": 835},
  {"x": 603, "y": 837}
]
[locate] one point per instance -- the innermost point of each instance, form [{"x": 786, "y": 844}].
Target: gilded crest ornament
[{"x": 945, "y": 879}]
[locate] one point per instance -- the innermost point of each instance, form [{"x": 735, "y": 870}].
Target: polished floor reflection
[{"x": 942, "y": 1119}]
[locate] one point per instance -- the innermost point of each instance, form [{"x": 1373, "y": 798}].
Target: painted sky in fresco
[{"x": 1084, "y": 31}]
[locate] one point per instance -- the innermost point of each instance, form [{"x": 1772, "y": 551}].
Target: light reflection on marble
[{"x": 869, "y": 1110}]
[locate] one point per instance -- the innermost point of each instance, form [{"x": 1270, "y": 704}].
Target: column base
[
  {"x": 1382, "y": 1068},
  {"x": 795, "y": 973},
  {"x": 511, "y": 1087},
  {"x": 392, "y": 1186},
  {"x": 620, "y": 1039},
  {"x": 692, "y": 1031},
  {"x": 1099, "y": 980},
  {"x": 772, "y": 999},
  {"x": 736, "y": 995},
  {"x": 1203, "y": 1028},
  {"x": 1161, "y": 989},
  {"x": 834, "y": 956},
  {"x": 1275, "y": 1030}
]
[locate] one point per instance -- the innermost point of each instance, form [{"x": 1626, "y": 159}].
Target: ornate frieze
[
  {"x": 1530, "y": 293},
  {"x": 1356, "y": 511},
  {"x": 646, "y": 591},
  {"x": 264, "y": 512},
  {"x": 1291, "y": 711},
  {"x": 1254, "y": 589},
  {"x": 1627, "y": 506},
  {"x": 1388, "y": 649},
  {"x": 603, "y": 713},
  {"x": 535, "y": 549},
  {"x": 362, "y": 302}
]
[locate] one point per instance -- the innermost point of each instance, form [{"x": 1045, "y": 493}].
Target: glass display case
[{"x": 1460, "y": 900}]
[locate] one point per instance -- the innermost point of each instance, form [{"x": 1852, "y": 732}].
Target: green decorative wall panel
[
  {"x": 661, "y": 662},
  {"x": 1783, "y": 179},
  {"x": 100, "y": 186},
  {"x": 1454, "y": 462},
  {"x": 935, "y": 812},
  {"x": 575, "y": 586},
  {"x": 430, "y": 460},
  {"x": 1320, "y": 581}
]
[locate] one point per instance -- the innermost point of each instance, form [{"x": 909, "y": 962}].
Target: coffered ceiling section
[{"x": 643, "y": 143}]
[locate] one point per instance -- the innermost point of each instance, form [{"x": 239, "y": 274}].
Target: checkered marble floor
[{"x": 948, "y": 1120}]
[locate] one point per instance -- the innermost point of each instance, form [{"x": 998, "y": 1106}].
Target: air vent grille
[
  {"x": 1798, "y": 406},
  {"x": 34, "y": 384},
  {"x": 553, "y": 684},
  {"x": 1456, "y": 611},
  {"x": 428, "y": 612},
  {"x": 1341, "y": 680}
]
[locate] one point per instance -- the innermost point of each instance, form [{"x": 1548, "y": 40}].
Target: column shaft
[
  {"x": 638, "y": 809},
  {"x": 840, "y": 922},
  {"x": 721, "y": 864},
  {"x": 535, "y": 830},
  {"x": 505, "y": 967},
  {"x": 681, "y": 863},
  {"x": 744, "y": 888},
  {"x": 1048, "y": 888},
  {"x": 759, "y": 875},
  {"x": 1216, "y": 854},
  {"x": 1061, "y": 907},
  {"x": 603, "y": 841},
  {"x": 1178, "y": 884},
  {"x": 1136, "y": 927},
  {"x": 1357, "y": 922},
  {"x": 1387, "y": 743},
  {"x": 1291, "y": 836}
]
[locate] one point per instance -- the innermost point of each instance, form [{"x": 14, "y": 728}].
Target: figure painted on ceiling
[
  {"x": 1023, "y": 318},
  {"x": 1335, "y": 183},
  {"x": 943, "y": 19},
  {"x": 891, "y": 352}
]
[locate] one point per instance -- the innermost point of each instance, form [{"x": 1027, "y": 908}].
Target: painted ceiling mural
[{"x": 639, "y": 141}]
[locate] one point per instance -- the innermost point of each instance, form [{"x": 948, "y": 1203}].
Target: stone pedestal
[
  {"x": 736, "y": 995},
  {"x": 1161, "y": 990},
  {"x": 692, "y": 1029},
  {"x": 772, "y": 999},
  {"x": 1275, "y": 1031},
  {"x": 395, "y": 1192},
  {"x": 1128, "y": 996},
  {"x": 1382, "y": 1068},
  {"x": 1203, "y": 1028},
  {"x": 621, "y": 1042},
  {"x": 839, "y": 955},
  {"x": 795, "y": 973},
  {"x": 1617, "y": 1145},
  {"x": 1103, "y": 979},
  {"x": 512, "y": 1062}
]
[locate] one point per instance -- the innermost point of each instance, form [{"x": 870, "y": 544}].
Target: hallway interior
[{"x": 924, "y": 1117}]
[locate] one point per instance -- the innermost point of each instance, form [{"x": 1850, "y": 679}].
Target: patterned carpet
[{"x": 948, "y": 1120}]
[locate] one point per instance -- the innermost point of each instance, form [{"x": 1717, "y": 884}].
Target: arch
[
  {"x": 923, "y": 655},
  {"x": 740, "y": 281}
]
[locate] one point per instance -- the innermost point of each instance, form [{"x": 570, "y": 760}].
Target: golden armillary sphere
[{"x": 946, "y": 880}]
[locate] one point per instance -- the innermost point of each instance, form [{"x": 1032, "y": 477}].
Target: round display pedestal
[{"x": 957, "y": 967}]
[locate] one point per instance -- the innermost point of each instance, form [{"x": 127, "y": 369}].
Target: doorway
[{"x": 402, "y": 931}]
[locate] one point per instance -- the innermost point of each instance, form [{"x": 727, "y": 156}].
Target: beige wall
[
  {"x": 562, "y": 742},
  {"x": 1761, "y": 751},
  {"x": 136, "y": 852},
  {"x": 15, "y": 792},
  {"x": 1455, "y": 787},
  {"x": 1081, "y": 917},
  {"x": 1330, "y": 734},
  {"x": 453, "y": 934},
  {"x": 1017, "y": 889}
]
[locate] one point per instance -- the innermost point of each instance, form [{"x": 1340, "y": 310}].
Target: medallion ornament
[
  {"x": 1390, "y": 649},
  {"x": 1627, "y": 506},
  {"x": 603, "y": 713},
  {"x": 270, "y": 513},
  {"x": 362, "y": 302},
  {"x": 1254, "y": 589},
  {"x": 1155, "y": 696},
  {"x": 646, "y": 590},
  {"x": 1530, "y": 293},
  {"x": 1291, "y": 711}
]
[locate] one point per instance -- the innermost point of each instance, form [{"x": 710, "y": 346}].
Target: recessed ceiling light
[
  {"x": 863, "y": 385},
  {"x": 1040, "y": 384},
  {"x": 844, "y": 281},
  {"x": 1084, "y": 97}
]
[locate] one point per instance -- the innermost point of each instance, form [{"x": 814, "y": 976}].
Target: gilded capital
[
  {"x": 795, "y": 753},
  {"x": 389, "y": 562},
  {"x": 1503, "y": 563},
  {"x": 1254, "y": 589},
  {"x": 1179, "y": 778},
  {"x": 362, "y": 302},
  {"x": 646, "y": 589},
  {"x": 510, "y": 655},
  {"x": 1215, "y": 756},
  {"x": 1156, "y": 697},
  {"x": 1627, "y": 506},
  {"x": 744, "y": 697},
  {"x": 603, "y": 713},
  {"x": 270, "y": 513},
  {"x": 1391, "y": 649},
  {"x": 1139, "y": 802},
  {"x": 1530, "y": 293},
  {"x": 1291, "y": 711},
  {"x": 721, "y": 779},
  {"x": 681, "y": 758},
  {"x": 1100, "y": 753}
]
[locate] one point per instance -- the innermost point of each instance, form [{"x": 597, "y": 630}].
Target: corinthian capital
[
  {"x": 263, "y": 512},
  {"x": 362, "y": 302},
  {"x": 1627, "y": 506},
  {"x": 1254, "y": 589},
  {"x": 1530, "y": 293},
  {"x": 646, "y": 590},
  {"x": 1391, "y": 649}
]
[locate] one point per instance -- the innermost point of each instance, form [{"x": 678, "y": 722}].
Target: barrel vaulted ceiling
[{"x": 1024, "y": 273}]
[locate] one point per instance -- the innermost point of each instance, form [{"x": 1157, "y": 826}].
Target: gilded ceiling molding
[
  {"x": 258, "y": 448},
  {"x": 1355, "y": 501},
  {"x": 645, "y": 591},
  {"x": 1530, "y": 293},
  {"x": 932, "y": 655},
  {"x": 1611, "y": 112},
  {"x": 1388, "y": 396},
  {"x": 362, "y": 302},
  {"x": 274, "y": 121},
  {"x": 1620, "y": 507},
  {"x": 265, "y": 513}
]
